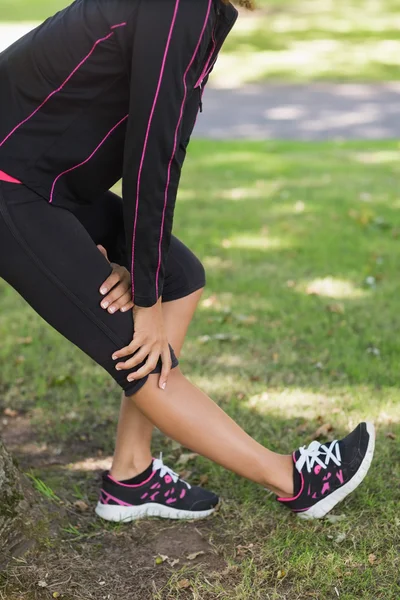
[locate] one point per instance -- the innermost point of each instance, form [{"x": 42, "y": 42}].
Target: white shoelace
[
  {"x": 158, "y": 465},
  {"x": 311, "y": 455}
]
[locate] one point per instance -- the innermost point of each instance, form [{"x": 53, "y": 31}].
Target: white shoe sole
[
  {"x": 323, "y": 507},
  {"x": 125, "y": 514}
]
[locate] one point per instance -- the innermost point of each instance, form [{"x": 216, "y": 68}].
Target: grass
[
  {"x": 286, "y": 40},
  {"x": 301, "y": 246}
]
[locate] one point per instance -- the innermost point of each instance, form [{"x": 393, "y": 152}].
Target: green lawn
[
  {"x": 302, "y": 247},
  {"x": 340, "y": 40}
]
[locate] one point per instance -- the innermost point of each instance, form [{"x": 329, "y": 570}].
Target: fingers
[
  {"x": 128, "y": 350},
  {"x": 150, "y": 365},
  {"x": 128, "y": 306},
  {"x": 110, "y": 282},
  {"x": 138, "y": 358},
  {"x": 166, "y": 368},
  {"x": 117, "y": 298},
  {"x": 120, "y": 298},
  {"x": 103, "y": 251}
]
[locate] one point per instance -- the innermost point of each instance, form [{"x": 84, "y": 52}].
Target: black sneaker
[
  {"x": 163, "y": 494},
  {"x": 324, "y": 474}
]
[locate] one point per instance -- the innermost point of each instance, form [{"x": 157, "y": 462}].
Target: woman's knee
[{"x": 150, "y": 383}]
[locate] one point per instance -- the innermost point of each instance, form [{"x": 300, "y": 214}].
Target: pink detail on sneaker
[
  {"x": 317, "y": 469},
  {"x": 183, "y": 494},
  {"x": 301, "y": 487},
  {"x": 153, "y": 497},
  {"x": 339, "y": 475},
  {"x": 171, "y": 500},
  {"x": 314, "y": 495},
  {"x": 309, "y": 490},
  {"x": 168, "y": 479},
  {"x": 155, "y": 486},
  {"x": 173, "y": 491},
  {"x": 144, "y": 496},
  {"x": 133, "y": 485},
  {"x": 167, "y": 493},
  {"x": 109, "y": 497},
  {"x": 327, "y": 477},
  {"x": 325, "y": 488}
]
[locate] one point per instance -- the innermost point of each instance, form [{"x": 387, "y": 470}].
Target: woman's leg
[
  {"x": 133, "y": 446},
  {"x": 187, "y": 415},
  {"x": 105, "y": 223},
  {"x": 183, "y": 412}
]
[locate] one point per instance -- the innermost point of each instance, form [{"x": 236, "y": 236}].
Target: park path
[{"x": 286, "y": 111}]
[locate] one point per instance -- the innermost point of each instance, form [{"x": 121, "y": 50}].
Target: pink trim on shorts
[{"x": 8, "y": 178}]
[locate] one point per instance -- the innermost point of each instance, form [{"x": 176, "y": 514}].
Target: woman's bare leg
[
  {"x": 187, "y": 415},
  {"x": 133, "y": 446}
]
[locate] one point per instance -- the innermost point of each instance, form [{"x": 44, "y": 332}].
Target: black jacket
[{"x": 108, "y": 89}]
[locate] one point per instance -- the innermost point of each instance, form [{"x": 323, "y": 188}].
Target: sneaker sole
[
  {"x": 323, "y": 507},
  {"x": 126, "y": 514}
]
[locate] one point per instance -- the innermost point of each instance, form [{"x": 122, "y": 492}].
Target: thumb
[{"x": 103, "y": 251}]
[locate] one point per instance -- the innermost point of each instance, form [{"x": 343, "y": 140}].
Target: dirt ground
[{"x": 85, "y": 558}]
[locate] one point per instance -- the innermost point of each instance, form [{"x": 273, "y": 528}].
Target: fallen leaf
[
  {"x": 173, "y": 561},
  {"x": 246, "y": 319},
  {"x": 335, "y": 518},
  {"x": 194, "y": 555},
  {"x": 391, "y": 435},
  {"x": 24, "y": 340},
  {"x": 371, "y": 559},
  {"x": 185, "y": 474},
  {"x": 336, "y": 308},
  {"x": 161, "y": 558},
  {"x": 185, "y": 458},
  {"x": 281, "y": 573},
  {"x": 10, "y": 412},
  {"x": 241, "y": 550},
  {"x": 302, "y": 428},
  {"x": 183, "y": 584},
  {"x": 81, "y": 505},
  {"x": 340, "y": 538},
  {"x": 323, "y": 430},
  {"x": 42, "y": 584},
  {"x": 203, "y": 479}
]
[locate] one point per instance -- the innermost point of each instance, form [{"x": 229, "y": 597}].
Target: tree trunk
[{"x": 17, "y": 521}]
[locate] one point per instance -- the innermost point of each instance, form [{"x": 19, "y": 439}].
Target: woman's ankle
[
  {"x": 123, "y": 471},
  {"x": 283, "y": 485}
]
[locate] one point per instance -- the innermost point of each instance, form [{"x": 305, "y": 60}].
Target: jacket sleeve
[{"x": 170, "y": 41}]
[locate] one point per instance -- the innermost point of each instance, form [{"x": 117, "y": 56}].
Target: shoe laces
[
  {"x": 158, "y": 465},
  {"x": 314, "y": 454}
]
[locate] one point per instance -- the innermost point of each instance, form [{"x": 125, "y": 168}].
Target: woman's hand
[
  {"x": 150, "y": 341},
  {"x": 119, "y": 286}
]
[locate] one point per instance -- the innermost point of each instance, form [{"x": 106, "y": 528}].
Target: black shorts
[{"x": 49, "y": 255}]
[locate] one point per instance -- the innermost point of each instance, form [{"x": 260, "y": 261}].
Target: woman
[{"x": 108, "y": 89}]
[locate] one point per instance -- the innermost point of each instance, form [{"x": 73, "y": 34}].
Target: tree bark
[{"x": 17, "y": 519}]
